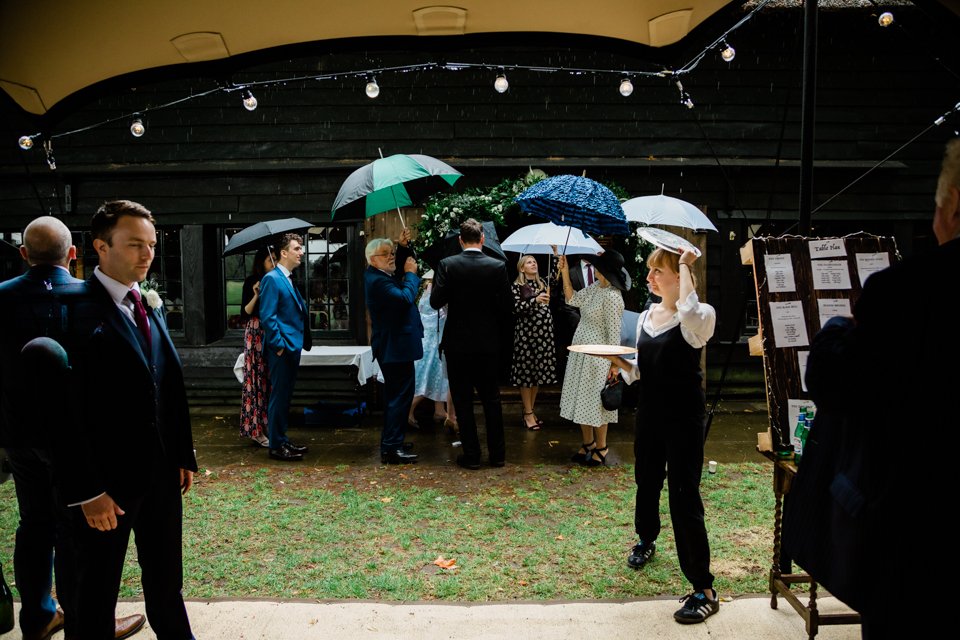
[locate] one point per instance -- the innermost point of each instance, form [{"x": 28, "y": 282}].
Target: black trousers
[
  {"x": 671, "y": 447},
  {"x": 398, "y": 388},
  {"x": 480, "y": 372},
  {"x": 155, "y": 520}
]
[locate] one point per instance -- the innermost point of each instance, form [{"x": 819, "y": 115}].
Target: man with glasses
[{"x": 396, "y": 338}]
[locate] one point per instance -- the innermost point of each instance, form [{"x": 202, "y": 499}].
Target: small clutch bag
[{"x": 611, "y": 396}]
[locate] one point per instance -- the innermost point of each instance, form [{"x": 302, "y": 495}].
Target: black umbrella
[
  {"x": 259, "y": 234},
  {"x": 450, "y": 246}
]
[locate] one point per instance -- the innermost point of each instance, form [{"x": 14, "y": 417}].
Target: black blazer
[
  {"x": 479, "y": 303},
  {"x": 131, "y": 411},
  {"x": 38, "y": 303}
]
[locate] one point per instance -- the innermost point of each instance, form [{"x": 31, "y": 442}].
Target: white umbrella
[
  {"x": 668, "y": 211},
  {"x": 542, "y": 238}
]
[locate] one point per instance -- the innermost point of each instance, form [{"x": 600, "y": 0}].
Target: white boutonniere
[{"x": 150, "y": 292}]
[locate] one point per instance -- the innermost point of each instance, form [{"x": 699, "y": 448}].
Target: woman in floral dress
[
  {"x": 256, "y": 382},
  {"x": 601, "y": 312},
  {"x": 534, "y": 355}
]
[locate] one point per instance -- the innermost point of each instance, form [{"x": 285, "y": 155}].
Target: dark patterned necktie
[
  {"x": 589, "y": 274},
  {"x": 140, "y": 314}
]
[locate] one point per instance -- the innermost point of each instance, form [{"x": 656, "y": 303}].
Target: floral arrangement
[
  {"x": 447, "y": 210},
  {"x": 150, "y": 291}
]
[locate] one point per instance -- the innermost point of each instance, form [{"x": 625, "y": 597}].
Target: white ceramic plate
[{"x": 666, "y": 240}]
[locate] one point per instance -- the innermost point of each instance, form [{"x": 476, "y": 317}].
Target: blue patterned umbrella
[{"x": 576, "y": 201}]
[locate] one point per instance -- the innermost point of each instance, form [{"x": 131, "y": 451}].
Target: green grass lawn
[{"x": 374, "y": 533}]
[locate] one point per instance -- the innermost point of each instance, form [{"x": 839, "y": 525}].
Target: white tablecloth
[{"x": 329, "y": 356}]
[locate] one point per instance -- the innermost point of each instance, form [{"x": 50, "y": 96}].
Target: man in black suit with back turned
[
  {"x": 476, "y": 291},
  {"x": 129, "y": 456},
  {"x": 41, "y": 303},
  {"x": 887, "y": 381}
]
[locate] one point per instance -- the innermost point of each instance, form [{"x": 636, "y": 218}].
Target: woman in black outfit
[{"x": 671, "y": 422}]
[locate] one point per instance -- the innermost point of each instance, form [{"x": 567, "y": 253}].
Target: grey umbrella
[{"x": 259, "y": 234}]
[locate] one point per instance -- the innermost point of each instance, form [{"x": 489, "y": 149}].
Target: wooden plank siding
[{"x": 211, "y": 162}]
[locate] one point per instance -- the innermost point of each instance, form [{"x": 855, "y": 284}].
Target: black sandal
[
  {"x": 582, "y": 457},
  {"x": 590, "y": 462},
  {"x": 535, "y": 426}
]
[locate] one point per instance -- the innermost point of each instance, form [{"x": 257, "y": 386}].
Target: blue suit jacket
[
  {"x": 392, "y": 302},
  {"x": 283, "y": 313},
  {"x": 38, "y": 303}
]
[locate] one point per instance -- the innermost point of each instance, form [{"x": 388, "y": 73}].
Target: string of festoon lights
[{"x": 623, "y": 81}]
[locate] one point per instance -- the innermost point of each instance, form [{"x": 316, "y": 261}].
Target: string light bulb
[
  {"x": 885, "y": 19},
  {"x": 26, "y": 142},
  {"x": 249, "y": 100},
  {"x": 626, "y": 87},
  {"x": 728, "y": 53},
  {"x": 501, "y": 84},
  {"x": 372, "y": 89},
  {"x": 137, "y": 128}
]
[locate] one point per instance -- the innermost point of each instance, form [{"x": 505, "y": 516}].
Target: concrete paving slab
[{"x": 744, "y": 617}]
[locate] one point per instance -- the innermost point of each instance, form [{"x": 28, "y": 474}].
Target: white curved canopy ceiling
[{"x": 50, "y": 49}]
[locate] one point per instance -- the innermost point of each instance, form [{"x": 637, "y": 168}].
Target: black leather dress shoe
[
  {"x": 398, "y": 456},
  {"x": 467, "y": 463},
  {"x": 286, "y": 454},
  {"x": 297, "y": 448}
]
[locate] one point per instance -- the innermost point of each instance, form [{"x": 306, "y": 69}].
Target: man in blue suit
[
  {"x": 43, "y": 302},
  {"x": 286, "y": 328},
  {"x": 396, "y": 340},
  {"x": 126, "y": 458}
]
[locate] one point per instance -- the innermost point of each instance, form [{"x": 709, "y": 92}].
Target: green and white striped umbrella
[{"x": 390, "y": 183}]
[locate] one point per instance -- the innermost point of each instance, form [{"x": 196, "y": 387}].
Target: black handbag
[{"x": 611, "y": 396}]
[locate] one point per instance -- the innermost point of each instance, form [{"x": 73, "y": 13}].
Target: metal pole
[{"x": 808, "y": 112}]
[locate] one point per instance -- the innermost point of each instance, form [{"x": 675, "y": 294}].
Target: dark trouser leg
[
  {"x": 101, "y": 555},
  {"x": 461, "y": 388},
  {"x": 44, "y": 525},
  {"x": 485, "y": 370},
  {"x": 283, "y": 377},
  {"x": 649, "y": 451},
  {"x": 158, "y": 535},
  {"x": 398, "y": 386},
  {"x": 684, "y": 468}
]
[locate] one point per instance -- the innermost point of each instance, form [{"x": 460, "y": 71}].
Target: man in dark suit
[
  {"x": 396, "y": 340},
  {"x": 476, "y": 291},
  {"x": 887, "y": 380},
  {"x": 128, "y": 456},
  {"x": 286, "y": 328},
  {"x": 43, "y": 302}
]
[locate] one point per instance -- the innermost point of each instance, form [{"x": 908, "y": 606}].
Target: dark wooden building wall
[{"x": 210, "y": 162}]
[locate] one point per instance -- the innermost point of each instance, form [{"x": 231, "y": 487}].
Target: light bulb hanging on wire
[
  {"x": 728, "y": 53},
  {"x": 372, "y": 89},
  {"x": 626, "y": 87},
  {"x": 249, "y": 100},
  {"x": 501, "y": 84},
  {"x": 137, "y": 128},
  {"x": 885, "y": 19},
  {"x": 26, "y": 142}
]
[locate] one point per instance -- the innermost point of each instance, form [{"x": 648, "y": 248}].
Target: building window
[{"x": 324, "y": 278}]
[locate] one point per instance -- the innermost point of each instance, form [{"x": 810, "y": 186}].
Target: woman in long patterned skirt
[{"x": 255, "y": 393}]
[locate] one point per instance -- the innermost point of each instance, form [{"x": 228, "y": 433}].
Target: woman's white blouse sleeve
[{"x": 697, "y": 320}]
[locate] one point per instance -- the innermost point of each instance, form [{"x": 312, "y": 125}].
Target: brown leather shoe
[
  {"x": 128, "y": 626},
  {"x": 44, "y": 633},
  {"x": 125, "y": 627}
]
